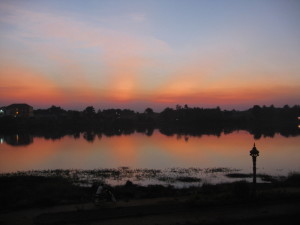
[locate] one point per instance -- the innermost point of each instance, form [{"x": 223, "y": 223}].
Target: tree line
[{"x": 179, "y": 120}]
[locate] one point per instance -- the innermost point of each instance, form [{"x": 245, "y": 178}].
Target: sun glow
[{"x": 71, "y": 59}]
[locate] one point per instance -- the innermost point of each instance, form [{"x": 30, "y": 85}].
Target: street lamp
[{"x": 254, "y": 153}]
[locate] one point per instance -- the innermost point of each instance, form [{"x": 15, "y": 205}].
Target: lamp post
[{"x": 254, "y": 153}]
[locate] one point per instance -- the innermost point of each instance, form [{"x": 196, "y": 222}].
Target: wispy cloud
[
  {"x": 65, "y": 41},
  {"x": 70, "y": 58},
  {"x": 138, "y": 17}
]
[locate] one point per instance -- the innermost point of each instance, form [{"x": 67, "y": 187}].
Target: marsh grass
[
  {"x": 117, "y": 176},
  {"x": 185, "y": 179},
  {"x": 263, "y": 177}
]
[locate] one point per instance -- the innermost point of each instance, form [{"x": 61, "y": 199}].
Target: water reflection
[
  {"x": 89, "y": 136},
  {"x": 17, "y": 139},
  {"x": 231, "y": 150}
]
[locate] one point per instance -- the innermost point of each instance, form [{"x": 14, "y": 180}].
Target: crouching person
[
  {"x": 100, "y": 196},
  {"x": 103, "y": 194}
]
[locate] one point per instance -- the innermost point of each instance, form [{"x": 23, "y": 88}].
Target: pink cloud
[
  {"x": 122, "y": 56},
  {"x": 86, "y": 62}
]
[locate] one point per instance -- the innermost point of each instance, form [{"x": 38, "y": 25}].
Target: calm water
[{"x": 278, "y": 156}]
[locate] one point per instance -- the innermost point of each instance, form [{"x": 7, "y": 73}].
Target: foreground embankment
[{"x": 56, "y": 200}]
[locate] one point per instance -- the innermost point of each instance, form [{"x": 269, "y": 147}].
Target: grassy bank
[{"x": 17, "y": 191}]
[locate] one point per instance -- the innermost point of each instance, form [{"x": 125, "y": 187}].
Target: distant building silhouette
[{"x": 18, "y": 110}]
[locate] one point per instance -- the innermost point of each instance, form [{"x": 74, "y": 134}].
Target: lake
[{"x": 278, "y": 155}]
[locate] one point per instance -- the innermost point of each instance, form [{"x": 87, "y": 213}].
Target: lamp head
[{"x": 254, "y": 152}]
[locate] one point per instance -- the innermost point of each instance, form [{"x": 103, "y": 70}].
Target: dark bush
[
  {"x": 293, "y": 179},
  {"x": 23, "y": 191},
  {"x": 241, "y": 189}
]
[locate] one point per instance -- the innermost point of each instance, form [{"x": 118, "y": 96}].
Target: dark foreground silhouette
[{"x": 54, "y": 200}]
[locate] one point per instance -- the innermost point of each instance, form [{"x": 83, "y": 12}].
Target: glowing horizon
[{"x": 138, "y": 54}]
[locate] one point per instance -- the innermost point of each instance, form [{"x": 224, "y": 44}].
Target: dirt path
[
  {"x": 263, "y": 215},
  {"x": 163, "y": 211}
]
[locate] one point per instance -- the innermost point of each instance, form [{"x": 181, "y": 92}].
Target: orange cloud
[
  {"x": 121, "y": 57},
  {"x": 90, "y": 64},
  {"x": 223, "y": 96},
  {"x": 22, "y": 84},
  {"x": 208, "y": 83}
]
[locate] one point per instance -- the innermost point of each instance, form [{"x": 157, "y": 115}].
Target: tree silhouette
[
  {"x": 89, "y": 111},
  {"x": 149, "y": 111}
]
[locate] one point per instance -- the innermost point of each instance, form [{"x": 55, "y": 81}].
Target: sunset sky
[{"x": 158, "y": 53}]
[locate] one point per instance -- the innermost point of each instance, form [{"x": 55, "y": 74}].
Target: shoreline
[
  {"x": 18, "y": 191},
  {"x": 177, "y": 177}
]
